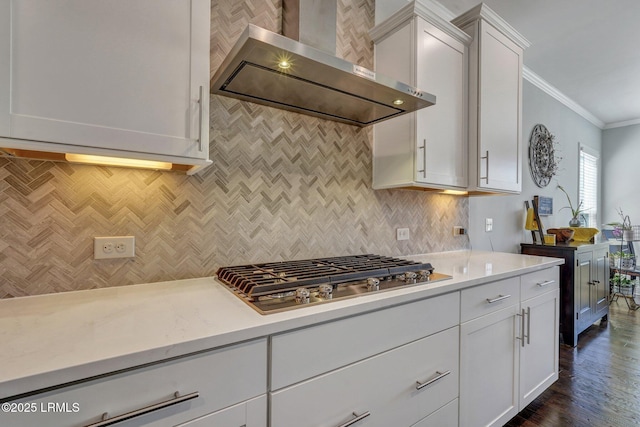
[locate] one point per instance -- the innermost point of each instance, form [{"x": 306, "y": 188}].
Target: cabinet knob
[
  {"x": 302, "y": 296},
  {"x": 373, "y": 284},
  {"x": 325, "y": 291}
]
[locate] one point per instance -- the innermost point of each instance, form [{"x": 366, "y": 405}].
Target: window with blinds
[{"x": 588, "y": 186}]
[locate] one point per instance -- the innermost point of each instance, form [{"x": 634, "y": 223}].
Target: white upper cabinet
[
  {"x": 122, "y": 78},
  {"x": 495, "y": 102},
  {"x": 427, "y": 148}
]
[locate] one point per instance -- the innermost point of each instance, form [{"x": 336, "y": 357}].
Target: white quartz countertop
[{"x": 52, "y": 339}]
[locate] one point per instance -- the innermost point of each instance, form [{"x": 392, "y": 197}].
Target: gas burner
[{"x": 279, "y": 286}]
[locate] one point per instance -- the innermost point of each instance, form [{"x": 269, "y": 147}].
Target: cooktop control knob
[
  {"x": 302, "y": 296},
  {"x": 373, "y": 284},
  {"x": 325, "y": 291},
  {"x": 424, "y": 274},
  {"x": 410, "y": 277}
]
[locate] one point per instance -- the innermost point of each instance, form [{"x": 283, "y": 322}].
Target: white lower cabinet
[
  {"x": 304, "y": 353},
  {"x": 470, "y": 358},
  {"x": 489, "y": 368},
  {"x": 398, "y": 387},
  {"x": 508, "y": 354},
  {"x": 216, "y": 380},
  {"x": 539, "y": 355}
]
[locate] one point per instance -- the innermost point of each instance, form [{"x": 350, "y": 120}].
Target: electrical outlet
[
  {"x": 114, "y": 247},
  {"x": 488, "y": 224},
  {"x": 459, "y": 231},
  {"x": 402, "y": 234}
]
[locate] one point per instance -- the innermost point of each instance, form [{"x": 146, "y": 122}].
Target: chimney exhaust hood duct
[{"x": 275, "y": 70}]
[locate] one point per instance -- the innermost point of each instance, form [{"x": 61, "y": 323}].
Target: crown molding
[
  {"x": 429, "y": 10},
  {"x": 482, "y": 11},
  {"x": 622, "y": 124},
  {"x": 552, "y": 91}
]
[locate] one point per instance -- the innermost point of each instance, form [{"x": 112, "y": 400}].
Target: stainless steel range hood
[{"x": 274, "y": 70}]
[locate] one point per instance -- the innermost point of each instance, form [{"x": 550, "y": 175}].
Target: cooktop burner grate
[{"x": 264, "y": 279}]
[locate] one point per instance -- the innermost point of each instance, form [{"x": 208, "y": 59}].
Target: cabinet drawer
[
  {"x": 222, "y": 378},
  {"x": 447, "y": 416},
  {"x": 246, "y": 414},
  {"x": 336, "y": 344},
  {"x": 484, "y": 299},
  {"x": 539, "y": 282},
  {"x": 385, "y": 386}
]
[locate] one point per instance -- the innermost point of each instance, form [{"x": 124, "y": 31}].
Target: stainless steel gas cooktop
[{"x": 278, "y": 286}]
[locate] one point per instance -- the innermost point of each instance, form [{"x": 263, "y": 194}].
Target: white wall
[
  {"x": 507, "y": 212},
  {"x": 621, "y": 174}
]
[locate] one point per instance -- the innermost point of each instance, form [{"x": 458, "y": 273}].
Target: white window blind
[{"x": 588, "y": 186}]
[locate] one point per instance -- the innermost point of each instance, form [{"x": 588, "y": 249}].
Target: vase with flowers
[{"x": 575, "y": 213}]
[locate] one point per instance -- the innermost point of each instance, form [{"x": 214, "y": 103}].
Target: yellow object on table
[
  {"x": 530, "y": 223},
  {"x": 584, "y": 234}
]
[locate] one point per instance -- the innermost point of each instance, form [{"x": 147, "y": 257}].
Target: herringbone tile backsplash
[{"x": 281, "y": 186}]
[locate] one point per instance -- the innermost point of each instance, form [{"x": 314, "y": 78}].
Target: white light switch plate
[{"x": 488, "y": 225}]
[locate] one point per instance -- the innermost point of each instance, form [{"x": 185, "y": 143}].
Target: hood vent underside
[{"x": 315, "y": 82}]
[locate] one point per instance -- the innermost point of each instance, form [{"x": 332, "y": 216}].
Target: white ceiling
[{"x": 589, "y": 50}]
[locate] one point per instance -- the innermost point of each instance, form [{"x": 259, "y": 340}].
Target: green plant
[
  {"x": 623, "y": 255},
  {"x": 621, "y": 280},
  {"x": 574, "y": 212}
]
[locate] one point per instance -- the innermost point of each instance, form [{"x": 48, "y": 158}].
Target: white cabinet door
[
  {"x": 539, "y": 352},
  {"x": 123, "y": 75},
  {"x": 495, "y": 101},
  {"x": 499, "y": 109},
  {"x": 584, "y": 276},
  {"x": 427, "y": 148},
  {"x": 441, "y": 128},
  {"x": 384, "y": 386},
  {"x": 489, "y": 368},
  {"x": 600, "y": 291}
]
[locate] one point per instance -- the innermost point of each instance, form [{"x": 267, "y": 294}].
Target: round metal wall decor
[{"x": 542, "y": 158}]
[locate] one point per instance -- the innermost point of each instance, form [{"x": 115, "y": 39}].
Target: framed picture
[{"x": 545, "y": 205}]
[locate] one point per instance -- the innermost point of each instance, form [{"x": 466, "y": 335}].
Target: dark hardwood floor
[{"x": 599, "y": 382}]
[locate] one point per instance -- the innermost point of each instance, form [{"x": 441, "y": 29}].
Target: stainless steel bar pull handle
[
  {"x": 528, "y": 325},
  {"x": 498, "y": 298},
  {"x": 423, "y": 147},
  {"x": 486, "y": 176},
  {"x": 356, "y": 419},
  {"x": 546, "y": 283},
  {"x": 521, "y": 337},
  {"x": 201, "y": 117},
  {"x": 151, "y": 408},
  {"x": 438, "y": 377}
]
